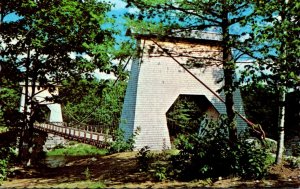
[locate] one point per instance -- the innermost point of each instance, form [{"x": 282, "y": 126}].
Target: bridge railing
[
  {"x": 86, "y": 136},
  {"x": 82, "y": 126}
]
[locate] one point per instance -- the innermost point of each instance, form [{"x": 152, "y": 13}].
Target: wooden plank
[{"x": 94, "y": 138}]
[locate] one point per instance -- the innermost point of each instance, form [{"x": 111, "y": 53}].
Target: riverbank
[{"x": 119, "y": 170}]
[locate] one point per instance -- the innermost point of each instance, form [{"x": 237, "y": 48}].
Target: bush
[
  {"x": 210, "y": 155},
  {"x": 7, "y": 157},
  {"x": 197, "y": 158},
  {"x": 293, "y": 162},
  {"x": 155, "y": 163},
  {"x": 160, "y": 172},
  {"x": 3, "y": 169},
  {"x": 296, "y": 150},
  {"x": 144, "y": 159},
  {"x": 252, "y": 162},
  {"x": 120, "y": 144}
]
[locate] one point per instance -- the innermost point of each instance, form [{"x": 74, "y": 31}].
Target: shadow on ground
[{"x": 119, "y": 170}]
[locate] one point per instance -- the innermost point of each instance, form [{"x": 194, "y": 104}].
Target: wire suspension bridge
[{"x": 89, "y": 135}]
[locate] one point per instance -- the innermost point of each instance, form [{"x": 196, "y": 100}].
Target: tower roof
[{"x": 190, "y": 35}]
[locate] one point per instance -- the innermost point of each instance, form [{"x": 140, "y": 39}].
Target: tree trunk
[
  {"x": 281, "y": 116},
  {"x": 229, "y": 69},
  {"x": 25, "y": 142}
]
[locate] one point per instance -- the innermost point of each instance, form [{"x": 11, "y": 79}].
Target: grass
[
  {"x": 77, "y": 149},
  {"x": 80, "y": 184}
]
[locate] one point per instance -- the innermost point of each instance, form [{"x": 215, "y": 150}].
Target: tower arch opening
[{"x": 187, "y": 113}]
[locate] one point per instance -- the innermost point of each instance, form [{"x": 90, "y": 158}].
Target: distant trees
[{"x": 94, "y": 102}]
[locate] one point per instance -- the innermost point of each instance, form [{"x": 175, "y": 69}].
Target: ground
[{"x": 119, "y": 171}]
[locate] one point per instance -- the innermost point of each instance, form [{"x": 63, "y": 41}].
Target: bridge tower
[
  {"x": 40, "y": 97},
  {"x": 161, "y": 73}
]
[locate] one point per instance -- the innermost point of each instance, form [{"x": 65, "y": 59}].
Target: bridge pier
[{"x": 53, "y": 141}]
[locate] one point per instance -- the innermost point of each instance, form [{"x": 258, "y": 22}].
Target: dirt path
[{"x": 119, "y": 170}]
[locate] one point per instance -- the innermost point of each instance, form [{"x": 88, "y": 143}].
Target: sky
[{"x": 118, "y": 10}]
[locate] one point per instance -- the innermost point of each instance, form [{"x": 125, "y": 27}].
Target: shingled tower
[
  {"x": 40, "y": 97},
  {"x": 161, "y": 72}
]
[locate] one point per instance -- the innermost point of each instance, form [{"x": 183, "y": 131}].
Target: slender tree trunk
[
  {"x": 31, "y": 122},
  {"x": 282, "y": 93},
  {"x": 24, "y": 141},
  {"x": 229, "y": 68},
  {"x": 24, "y": 126},
  {"x": 281, "y": 116}
]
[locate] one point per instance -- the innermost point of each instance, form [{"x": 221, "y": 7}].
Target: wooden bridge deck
[{"x": 71, "y": 133}]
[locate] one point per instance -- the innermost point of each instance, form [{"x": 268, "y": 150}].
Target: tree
[
  {"x": 9, "y": 103},
  {"x": 52, "y": 40},
  {"x": 260, "y": 106},
  {"x": 96, "y": 103},
  {"x": 276, "y": 44},
  {"x": 222, "y": 16}
]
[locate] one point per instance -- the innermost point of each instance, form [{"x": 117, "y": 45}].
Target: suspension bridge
[
  {"x": 89, "y": 134},
  {"x": 159, "y": 75}
]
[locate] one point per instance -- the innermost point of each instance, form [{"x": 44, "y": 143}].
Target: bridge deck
[{"x": 80, "y": 135}]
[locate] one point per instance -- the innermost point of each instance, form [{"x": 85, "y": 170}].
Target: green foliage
[
  {"x": 7, "y": 158},
  {"x": 77, "y": 150},
  {"x": 3, "y": 169},
  {"x": 203, "y": 156},
  {"x": 144, "y": 159},
  {"x": 48, "y": 33},
  {"x": 252, "y": 162},
  {"x": 296, "y": 150},
  {"x": 293, "y": 162},
  {"x": 87, "y": 174},
  {"x": 3, "y": 129},
  {"x": 185, "y": 114},
  {"x": 276, "y": 43},
  {"x": 9, "y": 103},
  {"x": 160, "y": 172},
  {"x": 260, "y": 105},
  {"x": 154, "y": 163},
  {"x": 97, "y": 103},
  {"x": 120, "y": 143},
  {"x": 200, "y": 155}
]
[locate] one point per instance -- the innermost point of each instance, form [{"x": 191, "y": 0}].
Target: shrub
[
  {"x": 296, "y": 150},
  {"x": 160, "y": 172},
  {"x": 7, "y": 157},
  {"x": 155, "y": 163},
  {"x": 87, "y": 174},
  {"x": 271, "y": 145},
  {"x": 211, "y": 154},
  {"x": 197, "y": 158},
  {"x": 120, "y": 144},
  {"x": 208, "y": 154},
  {"x": 144, "y": 159},
  {"x": 293, "y": 162},
  {"x": 3, "y": 169},
  {"x": 252, "y": 162}
]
